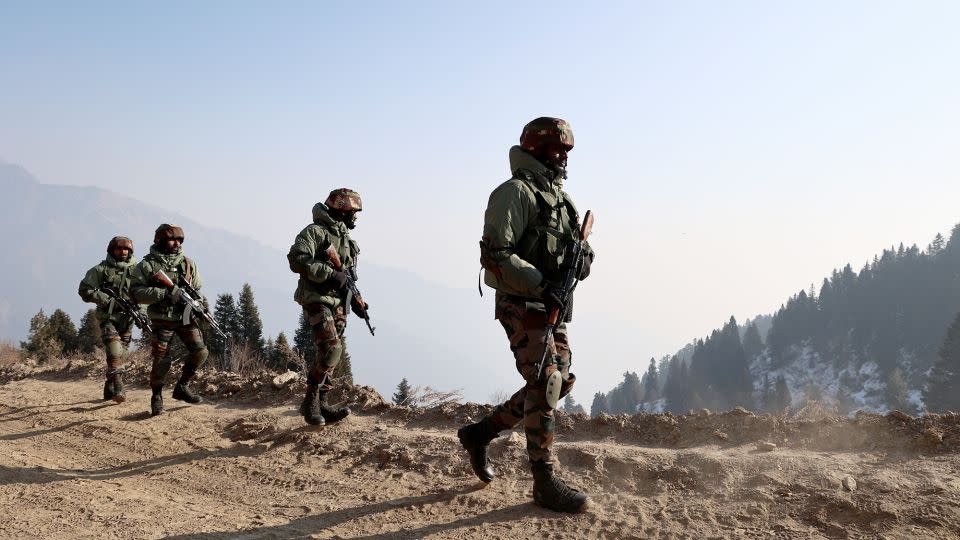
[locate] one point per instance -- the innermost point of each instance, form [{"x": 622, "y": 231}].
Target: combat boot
[
  {"x": 310, "y": 409},
  {"x": 108, "y": 389},
  {"x": 182, "y": 391},
  {"x": 119, "y": 395},
  {"x": 552, "y": 493},
  {"x": 331, "y": 415},
  {"x": 475, "y": 438},
  {"x": 156, "y": 402}
]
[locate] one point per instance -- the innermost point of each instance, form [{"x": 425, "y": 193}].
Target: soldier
[
  {"x": 322, "y": 291},
  {"x": 166, "y": 312},
  {"x": 116, "y": 326},
  {"x": 528, "y": 223}
]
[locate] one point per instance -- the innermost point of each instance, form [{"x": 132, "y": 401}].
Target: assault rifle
[
  {"x": 572, "y": 260},
  {"x": 191, "y": 298},
  {"x": 353, "y": 293},
  {"x": 131, "y": 309}
]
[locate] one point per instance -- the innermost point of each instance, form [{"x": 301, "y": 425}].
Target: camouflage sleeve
[
  {"x": 89, "y": 289},
  {"x": 303, "y": 256},
  {"x": 141, "y": 288},
  {"x": 195, "y": 275},
  {"x": 509, "y": 211}
]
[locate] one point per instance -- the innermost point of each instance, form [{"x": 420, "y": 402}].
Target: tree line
[{"x": 900, "y": 312}]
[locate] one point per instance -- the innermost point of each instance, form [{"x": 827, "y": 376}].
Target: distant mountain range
[{"x": 55, "y": 233}]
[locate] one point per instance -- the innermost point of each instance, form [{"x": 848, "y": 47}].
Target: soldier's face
[
  {"x": 347, "y": 218},
  {"x": 121, "y": 253},
  {"x": 553, "y": 156},
  {"x": 171, "y": 244}
]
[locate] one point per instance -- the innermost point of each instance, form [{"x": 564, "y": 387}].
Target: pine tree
[
  {"x": 228, "y": 318},
  {"x": 280, "y": 359},
  {"x": 752, "y": 344},
  {"x": 897, "y": 392},
  {"x": 303, "y": 343},
  {"x": 344, "y": 368},
  {"x": 41, "y": 342},
  {"x": 599, "y": 405},
  {"x": 941, "y": 393},
  {"x": 88, "y": 336},
  {"x": 652, "y": 384},
  {"x": 251, "y": 327},
  {"x": 402, "y": 394},
  {"x": 782, "y": 399},
  {"x": 63, "y": 329}
]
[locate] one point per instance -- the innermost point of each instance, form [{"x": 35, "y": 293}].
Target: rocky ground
[{"x": 243, "y": 465}]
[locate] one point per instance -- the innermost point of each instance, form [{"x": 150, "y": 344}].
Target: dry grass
[
  {"x": 425, "y": 397},
  {"x": 9, "y": 354}
]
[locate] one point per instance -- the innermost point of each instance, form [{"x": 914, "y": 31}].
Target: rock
[
  {"x": 284, "y": 379},
  {"x": 740, "y": 411},
  {"x": 766, "y": 447},
  {"x": 932, "y": 437},
  {"x": 849, "y": 483},
  {"x": 210, "y": 389},
  {"x": 704, "y": 412},
  {"x": 903, "y": 417},
  {"x": 720, "y": 435}
]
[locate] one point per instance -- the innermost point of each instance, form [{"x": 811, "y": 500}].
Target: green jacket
[
  {"x": 528, "y": 223},
  {"x": 109, "y": 273},
  {"x": 307, "y": 258},
  {"x": 147, "y": 291}
]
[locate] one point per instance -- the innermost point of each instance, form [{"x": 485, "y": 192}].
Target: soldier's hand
[
  {"x": 584, "y": 271},
  {"x": 176, "y": 294},
  {"x": 358, "y": 309},
  {"x": 551, "y": 296},
  {"x": 340, "y": 279}
]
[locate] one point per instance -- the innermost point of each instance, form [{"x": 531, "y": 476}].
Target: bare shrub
[
  {"x": 499, "y": 397},
  {"x": 242, "y": 358},
  {"x": 9, "y": 354},
  {"x": 425, "y": 397}
]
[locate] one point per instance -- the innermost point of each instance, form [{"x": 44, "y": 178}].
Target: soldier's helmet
[
  {"x": 120, "y": 242},
  {"x": 344, "y": 200},
  {"x": 545, "y": 131},
  {"x": 166, "y": 231}
]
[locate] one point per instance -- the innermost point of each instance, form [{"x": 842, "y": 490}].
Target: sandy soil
[{"x": 246, "y": 466}]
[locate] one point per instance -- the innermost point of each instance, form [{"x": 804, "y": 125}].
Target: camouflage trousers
[
  {"x": 116, "y": 343},
  {"x": 328, "y": 325},
  {"x": 526, "y": 329},
  {"x": 191, "y": 338}
]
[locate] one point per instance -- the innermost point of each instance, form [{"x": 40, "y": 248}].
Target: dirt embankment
[{"x": 244, "y": 465}]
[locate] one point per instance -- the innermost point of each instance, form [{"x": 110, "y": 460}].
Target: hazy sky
[{"x": 734, "y": 152}]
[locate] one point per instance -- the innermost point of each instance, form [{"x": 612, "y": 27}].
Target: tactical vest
[
  {"x": 309, "y": 291},
  {"x": 544, "y": 244},
  {"x": 117, "y": 278}
]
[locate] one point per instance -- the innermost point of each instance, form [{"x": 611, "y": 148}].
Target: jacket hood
[
  {"x": 110, "y": 261},
  {"x": 321, "y": 216},
  {"x": 520, "y": 159},
  {"x": 173, "y": 258}
]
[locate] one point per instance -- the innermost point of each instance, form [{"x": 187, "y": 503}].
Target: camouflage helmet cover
[
  {"x": 546, "y": 130},
  {"x": 120, "y": 242},
  {"x": 167, "y": 231},
  {"x": 344, "y": 200}
]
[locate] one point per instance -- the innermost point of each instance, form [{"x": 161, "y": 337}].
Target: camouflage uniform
[
  {"x": 321, "y": 298},
  {"x": 528, "y": 222},
  {"x": 166, "y": 314},
  {"x": 116, "y": 327}
]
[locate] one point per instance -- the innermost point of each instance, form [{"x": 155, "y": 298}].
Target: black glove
[
  {"x": 584, "y": 271},
  {"x": 551, "y": 296},
  {"x": 340, "y": 279},
  {"x": 355, "y": 307}
]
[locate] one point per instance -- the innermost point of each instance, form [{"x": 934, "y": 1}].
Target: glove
[
  {"x": 584, "y": 270},
  {"x": 340, "y": 279},
  {"x": 551, "y": 296},
  {"x": 176, "y": 295},
  {"x": 355, "y": 307}
]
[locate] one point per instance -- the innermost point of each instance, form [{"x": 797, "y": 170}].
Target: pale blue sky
[{"x": 734, "y": 151}]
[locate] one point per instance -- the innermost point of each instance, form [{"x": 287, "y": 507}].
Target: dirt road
[{"x": 73, "y": 466}]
